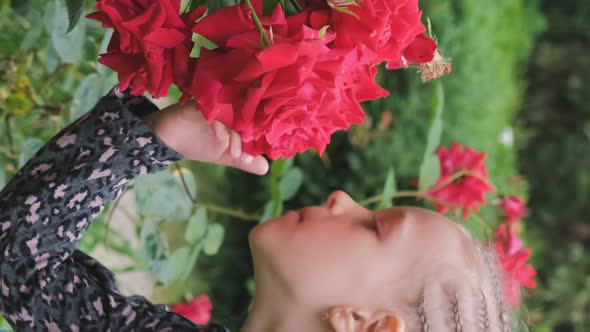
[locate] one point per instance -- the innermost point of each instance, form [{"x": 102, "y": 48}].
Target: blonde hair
[{"x": 461, "y": 301}]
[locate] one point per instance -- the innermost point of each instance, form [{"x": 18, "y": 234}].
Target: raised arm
[{"x": 45, "y": 283}]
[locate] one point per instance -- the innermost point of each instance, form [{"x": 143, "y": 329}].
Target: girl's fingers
[
  {"x": 221, "y": 133},
  {"x": 256, "y": 165},
  {"x": 259, "y": 165},
  {"x": 235, "y": 145}
]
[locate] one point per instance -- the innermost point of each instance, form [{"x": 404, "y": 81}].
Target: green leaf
[
  {"x": 185, "y": 6},
  {"x": 28, "y": 150},
  {"x": 106, "y": 39},
  {"x": 323, "y": 31},
  {"x": 267, "y": 213},
  {"x": 174, "y": 267},
  {"x": 436, "y": 123},
  {"x": 269, "y": 6},
  {"x": 197, "y": 226},
  {"x": 389, "y": 190},
  {"x": 152, "y": 243},
  {"x": 174, "y": 93},
  {"x": 201, "y": 41},
  {"x": 214, "y": 239},
  {"x": 75, "y": 8},
  {"x": 433, "y": 141},
  {"x": 34, "y": 32},
  {"x": 51, "y": 58},
  {"x": 290, "y": 183},
  {"x": 161, "y": 196},
  {"x": 69, "y": 46},
  {"x": 86, "y": 96},
  {"x": 192, "y": 260},
  {"x": 49, "y": 15},
  {"x": 429, "y": 172},
  {"x": 2, "y": 176}
]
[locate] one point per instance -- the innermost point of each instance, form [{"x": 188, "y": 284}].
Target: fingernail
[{"x": 247, "y": 158}]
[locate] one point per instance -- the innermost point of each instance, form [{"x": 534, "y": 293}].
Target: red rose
[
  {"x": 287, "y": 97},
  {"x": 197, "y": 310},
  {"x": 381, "y": 29},
  {"x": 147, "y": 35},
  {"x": 467, "y": 191},
  {"x": 513, "y": 207},
  {"x": 512, "y": 257}
]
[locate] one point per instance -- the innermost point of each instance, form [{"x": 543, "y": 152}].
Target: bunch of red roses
[{"x": 284, "y": 83}]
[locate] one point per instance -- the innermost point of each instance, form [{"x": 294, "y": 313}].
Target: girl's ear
[{"x": 359, "y": 319}]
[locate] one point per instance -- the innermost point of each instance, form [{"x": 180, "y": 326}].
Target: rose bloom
[
  {"x": 512, "y": 258},
  {"x": 197, "y": 310},
  {"x": 381, "y": 29},
  {"x": 468, "y": 191},
  {"x": 150, "y": 44},
  {"x": 513, "y": 207},
  {"x": 283, "y": 98}
]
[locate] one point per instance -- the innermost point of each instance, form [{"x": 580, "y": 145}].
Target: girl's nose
[{"x": 340, "y": 202}]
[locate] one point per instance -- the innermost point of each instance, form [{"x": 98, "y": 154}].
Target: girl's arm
[{"x": 45, "y": 283}]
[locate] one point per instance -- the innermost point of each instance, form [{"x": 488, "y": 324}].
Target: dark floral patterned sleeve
[{"x": 46, "y": 284}]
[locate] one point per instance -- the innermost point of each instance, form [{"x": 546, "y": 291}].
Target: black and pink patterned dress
[{"x": 46, "y": 284}]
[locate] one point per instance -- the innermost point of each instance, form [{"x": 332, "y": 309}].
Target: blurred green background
[{"x": 521, "y": 72}]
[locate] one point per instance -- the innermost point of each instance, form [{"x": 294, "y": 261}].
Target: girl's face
[{"x": 342, "y": 253}]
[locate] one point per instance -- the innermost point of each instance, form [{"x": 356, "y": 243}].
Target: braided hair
[{"x": 471, "y": 302}]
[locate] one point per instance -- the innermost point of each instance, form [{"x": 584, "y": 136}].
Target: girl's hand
[{"x": 186, "y": 130}]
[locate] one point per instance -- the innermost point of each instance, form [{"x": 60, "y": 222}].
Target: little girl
[{"x": 334, "y": 267}]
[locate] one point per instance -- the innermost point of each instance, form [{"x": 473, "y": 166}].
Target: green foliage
[
  {"x": 69, "y": 46},
  {"x": 197, "y": 226},
  {"x": 75, "y": 8},
  {"x": 153, "y": 189},
  {"x": 430, "y": 168},
  {"x": 213, "y": 239},
  {"x": 389, "y": 190},
  {"x": 555, "y": 154}
]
